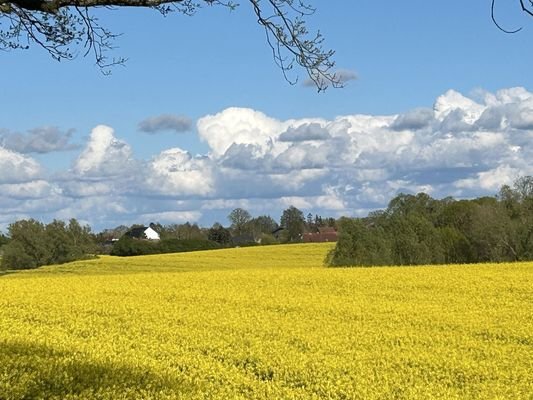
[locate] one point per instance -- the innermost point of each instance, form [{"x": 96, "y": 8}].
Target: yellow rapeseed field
[{"x": 265, "y": 323}]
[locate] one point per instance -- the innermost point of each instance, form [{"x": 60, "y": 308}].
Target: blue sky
[{"x": 215, "y": 70}]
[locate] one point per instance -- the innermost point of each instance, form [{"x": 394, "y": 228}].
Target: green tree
[
  {"x": 360, "y": 244},
  {"x": 523, "y": 216},
  {"x": 457, "y": 214},
  {"x": 421, "y": 204},
  {"x": 456, "y": 247},
  {"x": 493, "y": 235},
  {"x": 81, "y": 239},
  {"x": 239, "y": 219},
  {"x": 60, "y": 244},
  {"x": 68, "y": 242},
  {"x": 28, "y": 247},
  {"x": 15, "y": 257},
  {"x": 182, "y": 232},
  {"x": 510, "y": 200},
  {"x": 293, "y": 221},
  {"x": 523, "y": 187},
  {"x": 33, "y": 244},
  {"x": 217, "y": 233},
  {"x": 310, "y": 223},
  {"x": 264, "y": 224},
  {"x": 414, "y": 240}
]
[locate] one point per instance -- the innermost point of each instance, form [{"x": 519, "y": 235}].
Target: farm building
[
  {"x": 325, "y": 234},
  {"x": 143, "y": 232}
]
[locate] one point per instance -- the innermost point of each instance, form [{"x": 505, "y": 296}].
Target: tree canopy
[
  {"x": 417, "y": 229},
  {"x": 64, "y": 28},
  {"x": 239, "y": 218},
  {"x": 33, "y": 244},
  {"x": 293, "y": 221}
]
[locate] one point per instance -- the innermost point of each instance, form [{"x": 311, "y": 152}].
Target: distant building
[
  {"x": 325, "y": 234},
  {"x": 143, "y": 232}
]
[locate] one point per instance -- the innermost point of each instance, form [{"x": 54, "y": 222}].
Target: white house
[
  {"x": 151, "y": 234},
  {"x": 143, "y": 232}
]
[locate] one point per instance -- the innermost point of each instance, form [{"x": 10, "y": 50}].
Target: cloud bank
[
  {"x": 349, "y": 165},
  {"x": 42, "y": 140}
]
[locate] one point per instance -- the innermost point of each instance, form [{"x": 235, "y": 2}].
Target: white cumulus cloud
[
  {"x": 176, "y": 172},
  {"x": 238, "y": 126},
  {"x": 348, "y": 165},
  {"x": 104, "y": 155},
  {"x": 15, "y": 167}
]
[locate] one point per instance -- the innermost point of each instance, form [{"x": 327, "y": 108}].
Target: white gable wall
[{"x": 151, "y": 234}]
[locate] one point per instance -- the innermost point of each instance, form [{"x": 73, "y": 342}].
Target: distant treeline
[
  {"x": 417, "y": 229},
  {"x": 30, "y": 243},
  {"x": 244, "y": 230},
  {"x": 413, "y": 230}
]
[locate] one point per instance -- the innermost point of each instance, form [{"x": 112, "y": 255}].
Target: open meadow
[{"x": 265, "y": 322}]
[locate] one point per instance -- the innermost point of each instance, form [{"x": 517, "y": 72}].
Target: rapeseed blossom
[{"x": 265, "y": 322}]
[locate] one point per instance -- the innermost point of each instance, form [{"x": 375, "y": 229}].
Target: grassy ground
[{"x": 265, "y": 323}]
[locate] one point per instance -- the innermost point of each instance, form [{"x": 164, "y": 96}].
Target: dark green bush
[
  {"x": 268, "y": 239},
  {"x": 182, "y": 245},
  {"x": 127, "y": 246}
]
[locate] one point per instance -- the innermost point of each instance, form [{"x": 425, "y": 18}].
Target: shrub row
[{"x": 127, "y": 246}]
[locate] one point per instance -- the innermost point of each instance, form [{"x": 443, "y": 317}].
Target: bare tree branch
[
  {"x": 525, "y": 9},
  {"x": 64, "y": 28},
  {"x": 290, "y": 42},
  {"x": 493, "y": 16}
]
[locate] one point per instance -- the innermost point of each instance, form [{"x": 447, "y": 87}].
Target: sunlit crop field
[{"x": 265, "y": 323}]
